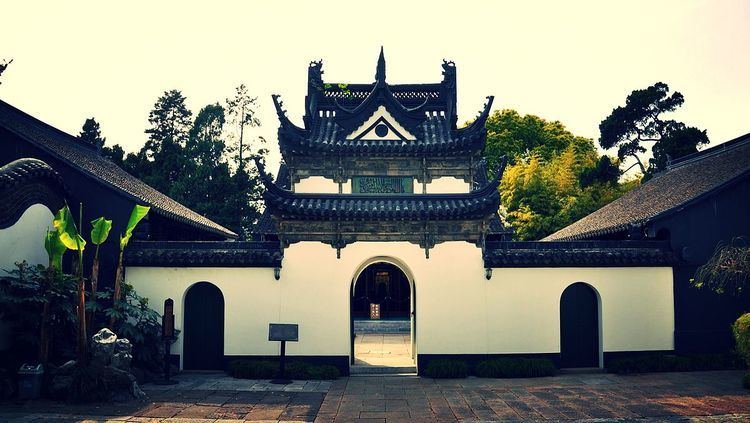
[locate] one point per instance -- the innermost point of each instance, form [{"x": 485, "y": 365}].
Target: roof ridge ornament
[{"x": 380, "y": 71}]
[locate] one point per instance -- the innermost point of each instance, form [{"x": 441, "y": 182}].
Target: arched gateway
[
  {"x": 579, "y": 326},
  {"x": 203, "y": 346},
  {"x": 382, "y": 315}
]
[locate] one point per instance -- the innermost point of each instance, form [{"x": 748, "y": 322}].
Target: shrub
[
  {"x": 515, "y": 367},
  {"x": 323, "y": 372},
  {"x": 267, "y": 369},
  {"x": 136, "y": 321},
  {"x": 446, "y": 368},
  {"x": 253, "y": 369},
  {"x": 746, "y": 381},
  {"x": 674, "y": 363},
  {"x": 741, "y": 331},
  {"x": 303, "y": 371}
]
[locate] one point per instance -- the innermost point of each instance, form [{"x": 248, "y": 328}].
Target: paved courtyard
[
  {"x": 698, "y": 396},
  {"x": 383, "y": 349}
]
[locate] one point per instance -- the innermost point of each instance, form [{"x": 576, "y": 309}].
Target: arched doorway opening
[
  {"x": 579, "y": 327},
  {"x": 383, "y": 315},
  {"x": 203, "y": 328}
]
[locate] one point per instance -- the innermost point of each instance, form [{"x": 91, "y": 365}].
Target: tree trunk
[
  {"x": 44, "y": 334},
  {"x": 116, "y": 295},
  {"x": 94, "y": 283},
  {"x": 81, "y": 309},
  {"x": 242, "y": 132}
]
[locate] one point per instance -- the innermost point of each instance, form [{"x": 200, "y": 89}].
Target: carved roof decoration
[
  {"x": 86, "y": 159},
  {"x": 335, "y": 114},
  {"x": 481, "y": 203},
  {"x": 684, "y": 182},
  {"x": 26, "y": 182}
]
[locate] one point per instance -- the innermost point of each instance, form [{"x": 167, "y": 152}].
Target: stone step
[
  {"x": 382, "y": 326},
  {"x": 382, "y": 370}
]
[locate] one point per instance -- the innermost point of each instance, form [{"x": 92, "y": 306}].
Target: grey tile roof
[
  {"x": 434, "y": 136},
  {"x": 86, "y": 159},
  {"x": 578, "y": 254},
  {"x": 203, "y": 254},
  {"x": 685, "y": 181},
  {"x": 285, "y": 204}
]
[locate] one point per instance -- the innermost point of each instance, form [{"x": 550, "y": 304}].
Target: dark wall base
[
  {"x": 340, "y": 362},
  {"x": 618, "y": 355},
  {"x": 473, "y": 359}
]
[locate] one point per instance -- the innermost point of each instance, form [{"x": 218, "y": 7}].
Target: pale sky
[{"x": 567, "y": 61}]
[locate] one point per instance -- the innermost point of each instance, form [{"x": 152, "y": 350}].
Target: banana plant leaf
[
  {"x": 138, "y": 213},
  {"x": 55, "y": 248},
  {"x": 100, "y": 230},
  {"x": 67, "y": 230}
]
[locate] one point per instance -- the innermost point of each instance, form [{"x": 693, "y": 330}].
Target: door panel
[
  {"x": 203, "y": 345},
  {"x": 579, "y": 327}
]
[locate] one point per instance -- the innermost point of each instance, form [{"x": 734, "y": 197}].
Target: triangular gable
[{"x": 381, "y": 126}]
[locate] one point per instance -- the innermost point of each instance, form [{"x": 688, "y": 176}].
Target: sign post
[
  {"x": 167, "y": 334},
  {"x": 283, "y": 332}
]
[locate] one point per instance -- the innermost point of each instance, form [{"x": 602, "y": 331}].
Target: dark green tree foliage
[
  {"x": 515, "y": 136},
  {"x": 91, "y": 133},
  {"x": 640, "y": 121},
  {"x": 553, "y": 178},
  {"x": 241, "y": 111},
  {"x": 679, "y": 142},
  {"x": 162, "y": 161},
  {"x": 191, "y": 161},
  {"x": 4, "y": 66},
  {"x": 207, "y": 185},
  {"x": 606, "y": 171},
  {"x": 728, "y": 270}
]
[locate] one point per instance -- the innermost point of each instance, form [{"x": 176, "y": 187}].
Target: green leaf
[
  {"x": 55, "y": 249},
  {"x": 66, "y": 228},
  {"x": 138, "y": 213},
  {"x": 100, "y": 230}
]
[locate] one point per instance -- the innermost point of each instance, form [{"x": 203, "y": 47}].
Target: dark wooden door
[
  {"x": 203, "y": 345},
  {"x": 579, "y": 327}
]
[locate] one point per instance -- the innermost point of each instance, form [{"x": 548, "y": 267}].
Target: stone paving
[
  {"x": 668, "y": 397},
  {"x": 383, "y": 349}
]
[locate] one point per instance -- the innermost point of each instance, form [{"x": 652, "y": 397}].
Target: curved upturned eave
[
  {"x": 479, "y": 203},
  {"x": 479, "y": 122}
]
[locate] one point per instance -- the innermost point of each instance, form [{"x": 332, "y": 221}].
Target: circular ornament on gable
[{"x": 381, "y": 130}]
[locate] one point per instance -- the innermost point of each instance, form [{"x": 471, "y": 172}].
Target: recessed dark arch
[
  {"x": 579, "y": 326},
  {"x": 203, "y": 328}
]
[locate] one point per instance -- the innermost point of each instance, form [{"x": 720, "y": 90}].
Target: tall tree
[
  {"x": 206, "y": 184},
  {"x": 4, "y": 66},
  {"x": 91, "y": 133},
  {"x": 170, "y": 122},
  {"x": 640, "y": 121},
  {"x": 242, "y": 110}
]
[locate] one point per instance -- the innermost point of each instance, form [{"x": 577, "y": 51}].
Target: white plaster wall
[
  {"x": 448, "y": 185},
  {"x": 23, "y": 241},
  {"x": 321, "y": 185},
  {"x": 458, "y": 310}
]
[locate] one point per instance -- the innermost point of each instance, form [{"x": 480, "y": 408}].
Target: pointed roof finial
[{"x": 380, "y": 72}]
